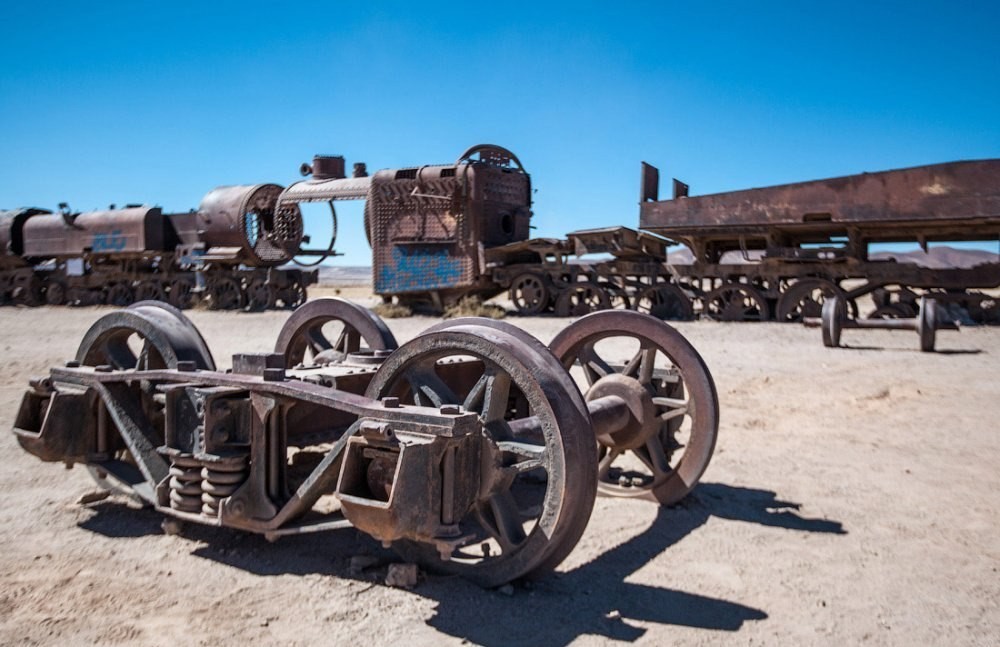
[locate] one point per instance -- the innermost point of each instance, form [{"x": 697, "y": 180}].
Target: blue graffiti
[
  {"x": 112, "y": 241},
  {"x": 416, "y": 269}
]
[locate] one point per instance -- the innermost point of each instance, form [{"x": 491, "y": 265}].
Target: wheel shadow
[
  {"x": 591, "y": 599},
  {"x": 947, "y": 351},
  {"x": 596, "y": 599}
]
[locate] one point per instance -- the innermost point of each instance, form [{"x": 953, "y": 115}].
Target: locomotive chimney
[{"x": 328, "y": 167}]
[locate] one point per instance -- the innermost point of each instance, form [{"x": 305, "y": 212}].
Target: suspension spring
[
  {"x": 185, "y": 483},
  {"x": 219, "y": 479}
]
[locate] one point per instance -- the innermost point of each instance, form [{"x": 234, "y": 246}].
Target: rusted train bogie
[{"x": 470, "y": 449}]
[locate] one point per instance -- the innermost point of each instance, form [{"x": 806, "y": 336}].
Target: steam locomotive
[{"x": 227, "y": 252}]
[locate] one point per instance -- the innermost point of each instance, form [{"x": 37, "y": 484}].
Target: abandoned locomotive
[{"x": 226, "y": 252}]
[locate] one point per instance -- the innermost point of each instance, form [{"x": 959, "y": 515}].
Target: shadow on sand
[{"x": 591, "y": 599}]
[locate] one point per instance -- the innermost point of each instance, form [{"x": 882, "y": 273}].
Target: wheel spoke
[
  {"x": 533, "y": 455},
  {"x": 606, "y": 461},
  {"x": 594, "y": 367},
  {"x": 658, "y": 457},
  {"x": 509, "y": 531},
  {"x": 428, "y": 389},
  {"x": 496, "y": 394}
]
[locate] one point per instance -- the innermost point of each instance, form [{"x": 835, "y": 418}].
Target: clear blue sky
[{"x": 142, "y": 102}]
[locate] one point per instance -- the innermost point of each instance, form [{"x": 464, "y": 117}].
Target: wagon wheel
[
  {"x": 181, "y": 294},
  {"x": 665, "y": 301},
  {"x": 143, "y": 337},
  {"x": 536, "y": 493},
  {"x": 529, "y": 293},
  {"x": 150, "y": 291},
  {"x": 805, "y": 299},
  {"x": 736, "y": 302},
  {"x": 580, "y": 299},
  {"x": 303, "y": 332},
  {"x": 225, "y": 294},
  {"x": 55, "y": 293},
  {"x": 120, "y": 294},
  {"x": 261, "y": 295},
  {"x": 661, "y": 375}
]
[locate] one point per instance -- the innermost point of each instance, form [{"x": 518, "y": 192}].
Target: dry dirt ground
[{"x": 853, "y": 498}]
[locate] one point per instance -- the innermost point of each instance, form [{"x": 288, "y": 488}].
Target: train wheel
[
  {"x": 665, "y": 301},
  {"x": 805, "y": 299},
  {"x": 144, "y": 337},
  {"x": 293, "y": 296},
  {"x": 662, "y": 374},
  {"x": 347, "y": 323},
  {"x": 120, "y": 294},
  {"x": 181, "y": 294},
  {"x": 261, "y": 295},
  {"x": 225, "y": 294},
  {"x": 55, "y": 293},
  {"x": 205, "y": 356},
  {"x": 30, "y": 292},
  {"x": 736, "y": 302},
  {"x": 580, "y": 299},
  {"x": 150, "y": 291},
  {"x": 529, "y": 293},
  {"x": 536, "y": 493},
  {"x": 618, "y": 295}
]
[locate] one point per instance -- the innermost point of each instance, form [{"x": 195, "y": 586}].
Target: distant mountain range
[{"x": 937, "y": 257}]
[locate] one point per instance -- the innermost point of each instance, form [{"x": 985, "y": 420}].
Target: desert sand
[{"x": 853, "y": 498}]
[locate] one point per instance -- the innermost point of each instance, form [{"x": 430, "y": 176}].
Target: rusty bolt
[
  {"x": 390, "y": 403},
  {"x": 186, "y": 366},
  {"x": 72, "y": 364},
  {"x": 450, "y": 409}
]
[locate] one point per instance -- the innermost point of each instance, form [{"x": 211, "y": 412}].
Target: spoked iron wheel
[
  {"x": 293, "y": 296},
  {"x": 149, "y": 335},
  {"x": 530, "y": 294},
  {"x": 665, "y": 301},
  {"x": 150, "y": 291},
  {"x": 804, "y": 299},
  {"x": 536, "y": 489},
  {"x": 667, "y": 445},
  {"x": 225, "y": 294},
  {"x": 307, "y": 333},
  {"x": 261, "y": 295},
  {"x": 736, "y": 302},
  {"x": 181, "y": 294},
  {"x": 120, "y": 294},
  {"x": 582, "y": 298}
]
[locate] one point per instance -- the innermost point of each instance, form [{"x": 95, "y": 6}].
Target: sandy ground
[{"x": 853, "y": 498}]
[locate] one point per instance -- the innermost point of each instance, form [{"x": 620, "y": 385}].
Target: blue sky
[{"x": 136, "y": 102}]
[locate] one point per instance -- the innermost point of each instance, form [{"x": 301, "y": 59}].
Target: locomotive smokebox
[{"x": 242, "y": 224}]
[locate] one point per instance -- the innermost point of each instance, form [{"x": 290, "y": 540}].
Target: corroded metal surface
[{"x": 470, "y": 449}]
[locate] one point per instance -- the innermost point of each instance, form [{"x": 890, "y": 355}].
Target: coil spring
[
  {"x": 220, "y": 479},
  {"x": 185, "y": 483}
]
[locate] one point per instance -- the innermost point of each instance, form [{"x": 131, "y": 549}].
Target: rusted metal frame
[
  {"x": 118, "y": 400},
  {"x": 265, "y": 436}
]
